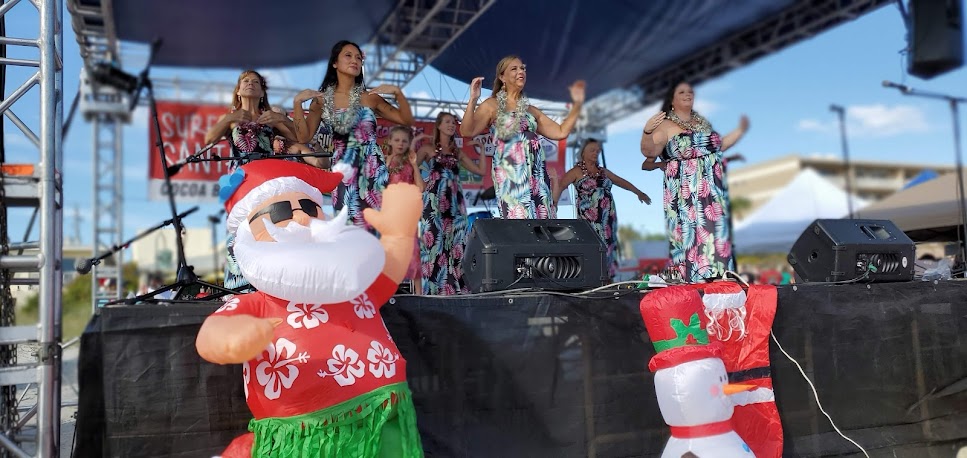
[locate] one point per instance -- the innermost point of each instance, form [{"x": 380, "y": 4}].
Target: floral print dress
[
  {"x": 248, "y": 139},
  {"x": 697, "y": 213},
  {"x": 251, "y": 138},
  {"x": 520, "y": 172},
  {"x": 443, "y": 227},
  {"x": 596, "y": 206},
  {"x": 364, "y": 187}
]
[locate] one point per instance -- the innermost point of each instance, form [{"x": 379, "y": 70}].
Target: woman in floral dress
[
  {"x": 519, "y": 170},
  {"x": 444, "y": 222},
  {"x": 696, "y": 197},
  {"x": 251, "y": 126},
  {"x": 342, "y": 120},
  {"x": 401, "y": 164},
  {"x": 594, "y": 200}
]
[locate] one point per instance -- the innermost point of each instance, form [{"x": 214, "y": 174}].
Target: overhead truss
[
  {"x": 803, "y": 20},
  {"x": 414, "y": 34}
]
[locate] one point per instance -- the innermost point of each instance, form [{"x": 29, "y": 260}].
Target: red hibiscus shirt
[{"x": 322, "y": 354}]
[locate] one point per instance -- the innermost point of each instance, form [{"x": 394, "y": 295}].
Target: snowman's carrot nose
[{"x": 732, "y": 388}]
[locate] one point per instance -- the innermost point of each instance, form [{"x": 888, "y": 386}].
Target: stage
[{"x": 553, "y": 375}]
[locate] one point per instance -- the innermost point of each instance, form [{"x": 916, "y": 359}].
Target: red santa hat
[
  {"x": 252, "y": 184},
  {"x": 676, "y": 322}
]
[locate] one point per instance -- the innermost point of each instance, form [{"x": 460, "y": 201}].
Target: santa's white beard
[{"x": 326, "y": 262}]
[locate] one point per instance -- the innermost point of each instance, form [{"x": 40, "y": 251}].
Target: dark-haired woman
[
  {"x": 343, "y": 114},
  {"x": 697, "y": 210}
]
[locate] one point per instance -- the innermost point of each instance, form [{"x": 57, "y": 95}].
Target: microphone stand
[
  {"x": 954, "y": 103},
  {"x": 215, "y": 220},
  {"x": 89, "y": 263},
  {"x": 186, "y": 284},
  {"x": 173, "y": 169},
  {"x": 841, "y": 113}
]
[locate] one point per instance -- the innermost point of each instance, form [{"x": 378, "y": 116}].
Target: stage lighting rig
[{"x": 107, "y": 74}]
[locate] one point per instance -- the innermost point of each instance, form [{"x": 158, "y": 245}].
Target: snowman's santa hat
[
  {"x": 676, "y": 323},
  {"x": 250, "y": 185}
]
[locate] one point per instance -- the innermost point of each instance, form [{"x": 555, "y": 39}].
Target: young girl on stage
[{"x": 402, "y": 167}]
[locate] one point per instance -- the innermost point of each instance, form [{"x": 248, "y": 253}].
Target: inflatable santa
[{"x": 322, "y": 376}]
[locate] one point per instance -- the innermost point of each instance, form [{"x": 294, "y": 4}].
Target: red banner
[{"x": 183, "y": 128}]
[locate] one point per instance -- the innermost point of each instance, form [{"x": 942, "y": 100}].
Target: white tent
[{"x": 776, "y": 225}]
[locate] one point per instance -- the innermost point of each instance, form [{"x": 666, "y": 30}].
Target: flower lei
[
  {"x": 448, "y": 159},
  {"x": 698, "y": 123},
  {"x": 342, "y": 124},
  {"x": 397, "y": 162},
  {"x": 595, "y": 175},
  {"x": 519, "y": 113}
]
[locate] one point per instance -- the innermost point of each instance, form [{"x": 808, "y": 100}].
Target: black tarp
[{"x": 558, "y": 376}]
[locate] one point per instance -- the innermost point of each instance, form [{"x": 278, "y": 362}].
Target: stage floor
[{"x": 552, "y": 375}]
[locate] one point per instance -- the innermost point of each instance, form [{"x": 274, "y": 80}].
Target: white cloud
[
  {"x": 634, "y": 122},
  {"x": 418, "y": 95},
  {"x": 880, "y": 120},
  {"x": 812, "y": 125},
  {"x": 873, "y": 121}
]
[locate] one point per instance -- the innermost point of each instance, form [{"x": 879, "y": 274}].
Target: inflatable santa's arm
[
  {"x": 232, "y": 335},
  {"x": 396, "y": 223}
]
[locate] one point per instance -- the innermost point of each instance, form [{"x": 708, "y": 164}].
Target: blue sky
[{"x": 786, "y": 96}]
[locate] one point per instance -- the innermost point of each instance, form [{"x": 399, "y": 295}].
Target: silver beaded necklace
[
  {"x": 697, "y": 123},
  {"x": 522, "y": 103},
  {"x": 344, "y": 122}
]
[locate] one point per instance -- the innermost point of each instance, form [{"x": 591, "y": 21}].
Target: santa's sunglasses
[{"x": 282, "y": 211}]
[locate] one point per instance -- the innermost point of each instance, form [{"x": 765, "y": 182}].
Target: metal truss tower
[{"x": 36, "y": 185}]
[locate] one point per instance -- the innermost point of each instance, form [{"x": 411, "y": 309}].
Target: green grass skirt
[{"x": 381, "y": 423}]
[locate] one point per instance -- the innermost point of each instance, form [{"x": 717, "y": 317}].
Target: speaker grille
[
  {"x": 886, "y": 263},
  {"x": 552, "y": 267}
]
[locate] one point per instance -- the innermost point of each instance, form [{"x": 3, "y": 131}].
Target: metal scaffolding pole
[
  {"x": 108, "y": 207},
  {"x": 40, "y": 189},
  {"x": 51, "y": 228}
]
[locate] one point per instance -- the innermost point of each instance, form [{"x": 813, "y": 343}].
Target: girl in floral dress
[
  {"x": 696, "y": 198},
  {"x": 594, "y": 200},
  {"x": 342, "y": 120},
  {"x": 444, "y": 222},
  {"x": 519, "y": 170},
  {"x": 402, "y": 168}
]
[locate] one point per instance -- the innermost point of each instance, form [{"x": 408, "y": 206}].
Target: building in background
[{"x": 871, "y": 180}]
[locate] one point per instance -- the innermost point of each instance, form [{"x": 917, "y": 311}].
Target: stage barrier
[{"x": 558, "y": 376}]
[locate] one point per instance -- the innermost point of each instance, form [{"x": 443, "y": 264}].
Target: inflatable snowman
[{"x": 691, "y": 382}]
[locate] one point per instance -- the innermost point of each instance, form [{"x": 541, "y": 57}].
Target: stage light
[{"x": 109, "y": 75}]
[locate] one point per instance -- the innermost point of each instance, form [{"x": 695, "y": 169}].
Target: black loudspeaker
[
  {"x": 936, "y": 37},
  {"x": 845, "y": 249},
  {"x": 554, "y": 254}
]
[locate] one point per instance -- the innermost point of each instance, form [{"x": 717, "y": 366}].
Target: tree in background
[
  {"x": 76, "y": 302},
  {"x": 740, "y": 207}
]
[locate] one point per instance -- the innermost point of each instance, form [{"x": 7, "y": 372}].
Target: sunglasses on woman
[{"x": 282, "y": 211}]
